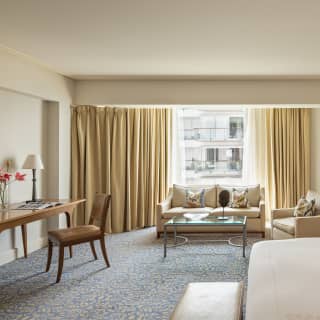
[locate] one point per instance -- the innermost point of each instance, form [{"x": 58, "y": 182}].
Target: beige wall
[
  {"x": 198, "y": 92},
  {"x": 23, "y": 130},
  {"x": 37, "y": 103}
]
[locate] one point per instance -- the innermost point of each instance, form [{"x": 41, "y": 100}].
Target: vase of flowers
[{"x": 6, "y": 179}]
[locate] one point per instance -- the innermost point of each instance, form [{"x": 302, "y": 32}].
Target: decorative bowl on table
[{"x": 196, "y": 216}]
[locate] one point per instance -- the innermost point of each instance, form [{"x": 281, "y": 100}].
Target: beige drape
[
  {"x": 125, "y": 152},
  {"x": 278, "y": 154},
  {"x": 288, "y": 155}
]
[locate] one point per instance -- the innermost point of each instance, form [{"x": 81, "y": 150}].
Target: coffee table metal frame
[{"x": 207, "y": 222}]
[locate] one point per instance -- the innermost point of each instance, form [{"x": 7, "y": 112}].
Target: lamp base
[
  {"x": 34, "y": 201},
  {"x": 223, "y": 218}
]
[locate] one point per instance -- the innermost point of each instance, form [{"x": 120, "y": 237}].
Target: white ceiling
[{"x": 166, "y": 38}]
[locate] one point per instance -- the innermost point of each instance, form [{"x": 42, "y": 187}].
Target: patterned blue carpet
[{"x": 139, "y": 285}]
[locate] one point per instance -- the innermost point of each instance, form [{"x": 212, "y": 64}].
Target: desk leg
[
  {"x": 69, "y": 226},
  {"x": 24, "y": 239}
]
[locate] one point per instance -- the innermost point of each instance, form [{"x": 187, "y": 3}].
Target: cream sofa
[
  {"x": 286, "y": 226},
  {"x": 172, "y": 206}
]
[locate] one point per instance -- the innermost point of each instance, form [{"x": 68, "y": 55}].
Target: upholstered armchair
[{"x": 286, "y": 226}]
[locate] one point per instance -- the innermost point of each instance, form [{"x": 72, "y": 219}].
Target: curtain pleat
[
  {"x": 125, "y": 152},
  {"x": 288, "y": 155}
]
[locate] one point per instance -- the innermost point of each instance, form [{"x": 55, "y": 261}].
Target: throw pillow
[
  {"x": 304, "y": 207},
  {"x": 239, "y": 198},
  {"x": 194, "y": 199}
]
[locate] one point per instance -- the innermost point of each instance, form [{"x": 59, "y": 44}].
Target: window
[{"x": 212, "y": 145}]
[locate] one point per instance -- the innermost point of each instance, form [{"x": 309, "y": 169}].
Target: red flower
[
  {"x": 7, "y": 176},
  {"x": 20, "y": 177}
]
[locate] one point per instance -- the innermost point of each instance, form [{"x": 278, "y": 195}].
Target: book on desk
[{"x": 38, "y": 205}]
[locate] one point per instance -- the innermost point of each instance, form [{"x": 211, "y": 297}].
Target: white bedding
[{"x": 284, "y": 280}]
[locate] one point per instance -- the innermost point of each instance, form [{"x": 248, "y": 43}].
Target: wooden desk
[{"x": 10, "y": 218}]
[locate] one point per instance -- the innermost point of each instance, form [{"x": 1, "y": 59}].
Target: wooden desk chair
[{"x": 86, "y": 233}]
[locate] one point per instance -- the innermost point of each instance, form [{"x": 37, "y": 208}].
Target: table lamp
[{"x": 34, "y": 162}]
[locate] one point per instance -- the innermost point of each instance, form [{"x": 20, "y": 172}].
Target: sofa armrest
[
  {"x": 281, "y": 213},
  {"x": 163, "y": 206},
  {"x": 307, "y": 227}
]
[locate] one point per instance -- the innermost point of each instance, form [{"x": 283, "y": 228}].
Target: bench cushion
[{"x": 210, "y": 300}]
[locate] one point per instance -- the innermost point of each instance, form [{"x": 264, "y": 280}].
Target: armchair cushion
[
  {"x": 282, "y": 213},
  {"x": 285, "y": 224}
]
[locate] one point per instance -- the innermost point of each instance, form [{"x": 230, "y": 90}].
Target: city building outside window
[{"x": 213, "y": 145}]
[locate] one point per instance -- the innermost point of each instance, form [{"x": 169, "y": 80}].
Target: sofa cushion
[
  {"x": 239, "y": 199},
  {"x": 180, "y": 211},
  {"x": 194, "y": 199},
  {"x": 179, "y": 195},
  {"x": 285, "y": 224},
  {"x": 252, "y": 212},
  {"x": 253, "y": 194}
]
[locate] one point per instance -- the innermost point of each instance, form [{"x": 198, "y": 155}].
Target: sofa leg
[{"x": 158, "y": 235}]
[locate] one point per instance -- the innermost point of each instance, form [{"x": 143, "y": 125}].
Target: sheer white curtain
[
  {"x": 178, "y": 147},
  {"x": 254, "y": 151}
]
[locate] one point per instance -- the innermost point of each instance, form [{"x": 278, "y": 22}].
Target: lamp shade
[{"x": 33, "y": 161}]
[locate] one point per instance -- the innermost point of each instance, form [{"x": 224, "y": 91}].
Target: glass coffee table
[{"x": 232, "y": 221}]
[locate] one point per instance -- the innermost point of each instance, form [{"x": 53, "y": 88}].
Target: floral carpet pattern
[{"x": 140, "y": 284}]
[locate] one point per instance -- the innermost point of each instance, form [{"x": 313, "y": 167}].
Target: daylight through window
[{"x": 213, "y": 145}]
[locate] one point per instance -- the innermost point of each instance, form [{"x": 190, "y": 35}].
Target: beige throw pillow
[
  {"x": 253, "y": 195},
  {"x": 179, "y": 195},
  {"x": 239, "y": 198},
  {"x": 304, "y": 208},
  {"x": 194, "y": 199}
]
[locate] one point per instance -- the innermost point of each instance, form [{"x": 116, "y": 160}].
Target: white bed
[{"x": 284, "y": 280}]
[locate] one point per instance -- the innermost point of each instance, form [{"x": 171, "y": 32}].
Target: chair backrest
[{"x": 100, "y": 210}]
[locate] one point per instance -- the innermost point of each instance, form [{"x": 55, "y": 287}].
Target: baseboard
[
  {"x": 8, "y": 256},
  {"x": 12, "y": 254},
  {"x": 33, "y": 246}
]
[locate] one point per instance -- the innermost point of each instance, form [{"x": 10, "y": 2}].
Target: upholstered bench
[{"x": 210, "y": 300}]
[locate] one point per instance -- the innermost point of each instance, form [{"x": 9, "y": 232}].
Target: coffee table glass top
[{"x": 210, "y": 220}]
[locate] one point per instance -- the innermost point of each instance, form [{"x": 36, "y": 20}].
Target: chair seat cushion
[
  {"x": 285, "y": 224},
  {"x": 74, "y": 234},
  {"x": 210, "y": 300}
]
